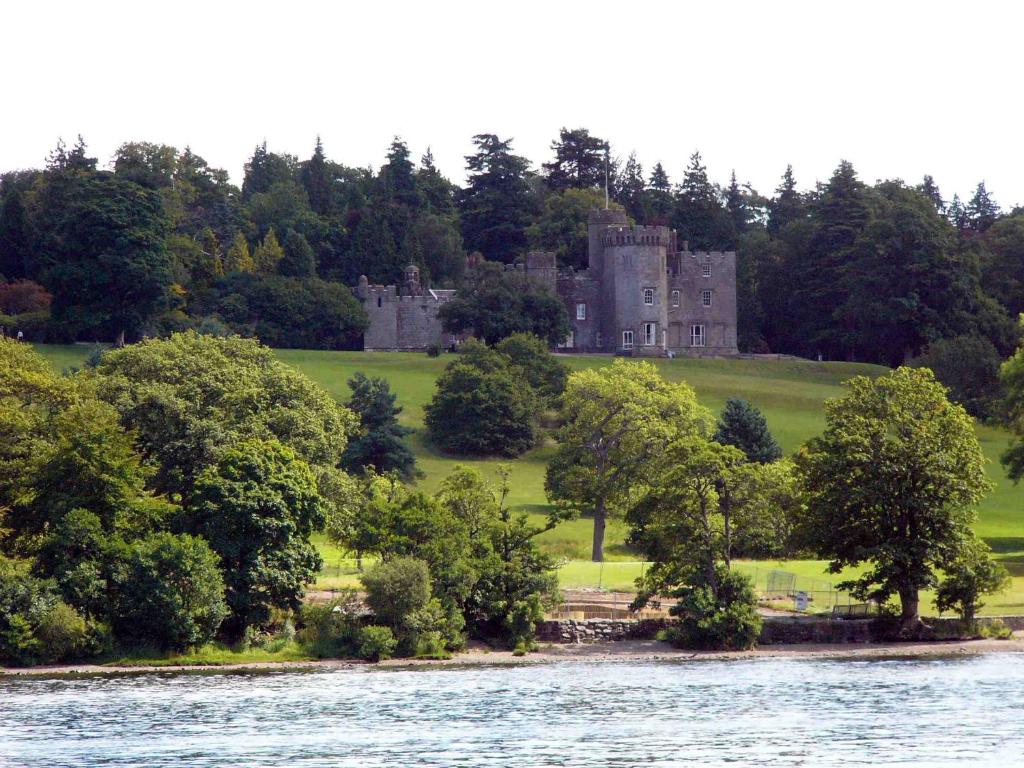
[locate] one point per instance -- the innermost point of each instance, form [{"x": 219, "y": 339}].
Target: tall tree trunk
[
  {"x": 119, "y": 341},
  {"x": 909, "y": 605},
  {"x": 600, "y": 518}
]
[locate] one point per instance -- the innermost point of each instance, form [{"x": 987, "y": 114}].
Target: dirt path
[{"x": 629, "y": 650}]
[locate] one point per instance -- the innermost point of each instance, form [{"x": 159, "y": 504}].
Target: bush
[
  {"x": 170, "y": 593},
  {"x": 376, "y": 643},
  {"x": 63, "y": 634},
  {"x": 396, "y": 590},
  {"x": 331, "y": 630},
  {"x": 972, "y": 574},
  {"x": 541, "y": 369},
  {"x": 482, "y": 406},
  {"x": 726, "y": 621},
  {"x": 434, "y": 350}
]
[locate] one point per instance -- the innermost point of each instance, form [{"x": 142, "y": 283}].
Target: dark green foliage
[
  {"x": 396, "y": 589},
  {"x": 331, "y": 629},
  {"x": 561, "y": 226},
  {"x": 541, "y": 369},
  {"x": 257, "y": 507},
  {"x": 1003, "y": 263},
  {"x": 497, "y": 204},
  {"x": 969, "y": 367},
  {"x": 495, "y": 303},
  {"x": 298, "y": 260},
  {"x": 481, "y": 407},
  {"x": 290, "y": 312},
  {"x": 744, "y": 426},
  {"x": 982, "y": 211},
  {"x": 698, "y": 212},
  {"x": 970, "y": 574},
  {"x": 376, "y": 643},
  {"x": 579, "y": 161},
  {"x": 723, "y": 619},
  {"x": 107, "y": 264},
  {"x": 379, "y": 444},
  {"x": 15, "y": 244},
  {"x": 169, "y": 593}
]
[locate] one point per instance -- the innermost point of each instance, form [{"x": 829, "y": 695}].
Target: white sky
[{"x": 899, "y": 88}]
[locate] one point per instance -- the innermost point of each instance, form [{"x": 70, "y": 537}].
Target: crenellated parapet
[{"x": 637, "y": 235}]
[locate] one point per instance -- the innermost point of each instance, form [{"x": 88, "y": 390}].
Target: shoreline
[{"x": 621, "y": 651}]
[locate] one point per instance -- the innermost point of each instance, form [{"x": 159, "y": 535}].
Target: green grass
[
  {"x": 210, "y": 655},
  {"x": 789, "y": 392}
]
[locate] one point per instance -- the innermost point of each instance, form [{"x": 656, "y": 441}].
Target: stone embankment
[{"x": 776, "y": 630}]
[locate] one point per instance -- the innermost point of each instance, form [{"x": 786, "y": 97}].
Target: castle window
[
  {"x": 627, "y": 339},
  {"x": 598, "y": 341},
  {"x": 705, "y": 269},
  {"x": 705, "y": 298},
  {"x": 696, "y": 335},
  {"x": 581, "y": 311},
  {"x": 649, "y": 297},
  {"x": 378, "y": 301},
  {"x": 675, "y": 298},
  {"x": 650, "y": 334}
]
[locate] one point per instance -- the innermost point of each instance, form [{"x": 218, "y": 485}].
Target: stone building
[{"x": 640, "y": 295}]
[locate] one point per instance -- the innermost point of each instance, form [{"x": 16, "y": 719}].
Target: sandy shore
[{"x": 630, "y": 650}]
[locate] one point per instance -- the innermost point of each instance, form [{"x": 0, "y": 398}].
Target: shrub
[
  {"x": 170, "y": 592},
  {"x": 725, "y": 619},
  {"x": 482, "y": 406},
  {"x": 330, "y": 630},
  {"x": 376, "y": 643},
  {"x": 62, "y": 634},
  {"x": 972, "y": 573},
  {"x": 434, "y": 350},
  {"x": 396, "y": 590},
  {"x": 541, "y": 369},
  {"x": 996, "y": 630}
]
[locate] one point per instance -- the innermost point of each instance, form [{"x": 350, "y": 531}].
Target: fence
[{"x": 793, "y": 591}]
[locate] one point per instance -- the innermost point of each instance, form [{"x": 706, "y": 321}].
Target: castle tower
[
  {"x": 635, "y": 288},
  {"x": 411, "y": 281}
]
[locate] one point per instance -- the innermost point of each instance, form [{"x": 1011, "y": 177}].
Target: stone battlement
[{"x": 638, "y": 235}]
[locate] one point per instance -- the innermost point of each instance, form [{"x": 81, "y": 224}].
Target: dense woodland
[{"x": 163, "y": 242}]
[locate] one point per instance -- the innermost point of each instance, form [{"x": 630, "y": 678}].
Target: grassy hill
[{"x": 789, "y": 392}]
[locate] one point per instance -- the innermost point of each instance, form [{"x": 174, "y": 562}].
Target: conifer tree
[
  {"x": 579, "y": 161},
  {"x": 736, "y": 205},
  {"x": 298, "y": 260},
  {"x": 957, "y": 214},
  {"x": 982, "y": 210},
  {"x": 630, "y": 188},
  {"x": 14, "y": 239},
  {"x": 268, "y": 254},
  {"x": 238, "y": 258},
  {"x": 698, "y": 213},
  {"x": 787, "y": 206},
  {"x": 930, "y": 189},
  {"x": 379, "y": 443},
  {"x": 210, "y": 264},
  {"x": 744, "y": 426},
  {"x": 659, "y": 196},
  {"x": 316, "y": 180}
]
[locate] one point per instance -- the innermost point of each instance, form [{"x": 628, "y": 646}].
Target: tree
[
  {"x": 317, "y": 181},
  {"x": 268, "y": 254},
  {"x": 23, "y": 296},
  {"x": 982, "y": 211},
  {"x": 497, "y": 204},
  {"x": 968, "y": 366},
  {"x": 15, "y": 244},
  {"x": 541, "y": 369},
  {"x": 257, "y": 507},
  {"x": 631, "y": 189},
  {"x": 930, "y": 189},
  {"x": 562, "y": 225},
  {"x": 580, "y": 161},
  {"x": 480, "y": 408},
  {"x": 1003, "y": 270},
  {"x": 659, "y": 196},
  {"x": 787, "y": 206},
  {"x": 106, "y": 263},
  {"x": 238, "y": 258},
  {"x": 892, "y": 483},
  {"x": 298, "y": 259},
  {"x": 698, "y": 213},
  {"x": 615, "y": 419},
  {"x": 189, "y": 397},
  {"x": 744, "y": 426},
  {"x": 379, "y": 443},
  {"x": 169, "y": 593},
  {"x": 971, "y": 574},
  {"x": 495, "y": 303}
]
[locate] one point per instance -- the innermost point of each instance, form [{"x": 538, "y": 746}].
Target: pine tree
[
  {"x": 787, "y": 206},
  {"x": 316, "y": 180},
  {"x": 398, "y": 181},
  {"x": 930, "y": 189},
  {"x": 14, "y": 239},
  {"x": 379, "y": 443},
  {"x": 744, "y": 426},
  {"x": 497, "y": 204},
  {"x": 298, "y": 260},
  {"x": 438, "y": 192},
  {"x": 659, "y": 196},
  {"x": 257, "y": 174},
  {"x": 238, "y": 258},
  {"x": 982, "y": 210},
  {"x": 957, "y": 214},
  {"x": 698, "y": 213},
  {"x": 268, "y": 254},
  {"x": 737, "y": 206},
  {"x": 579, "y": 161},
  {"x": 630, "y": 188}
]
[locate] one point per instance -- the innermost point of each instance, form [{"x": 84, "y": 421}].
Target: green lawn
[{"x": 789, "y": 392}]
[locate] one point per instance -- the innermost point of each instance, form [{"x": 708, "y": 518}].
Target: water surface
[{"x": 764, "y": 712}]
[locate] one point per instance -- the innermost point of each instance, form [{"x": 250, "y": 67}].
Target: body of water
[{"x": 763, "y": 712}]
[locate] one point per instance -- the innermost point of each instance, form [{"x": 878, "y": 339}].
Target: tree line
[{"x": 164, "y": 242}]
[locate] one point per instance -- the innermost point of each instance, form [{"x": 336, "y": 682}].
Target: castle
[{"x": 640, "y": 295}]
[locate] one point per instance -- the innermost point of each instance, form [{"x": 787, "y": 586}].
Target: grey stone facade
[{"x": 640, "y": 295}]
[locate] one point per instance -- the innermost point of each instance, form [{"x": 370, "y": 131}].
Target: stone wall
[{"x": 775, "y": 630}]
